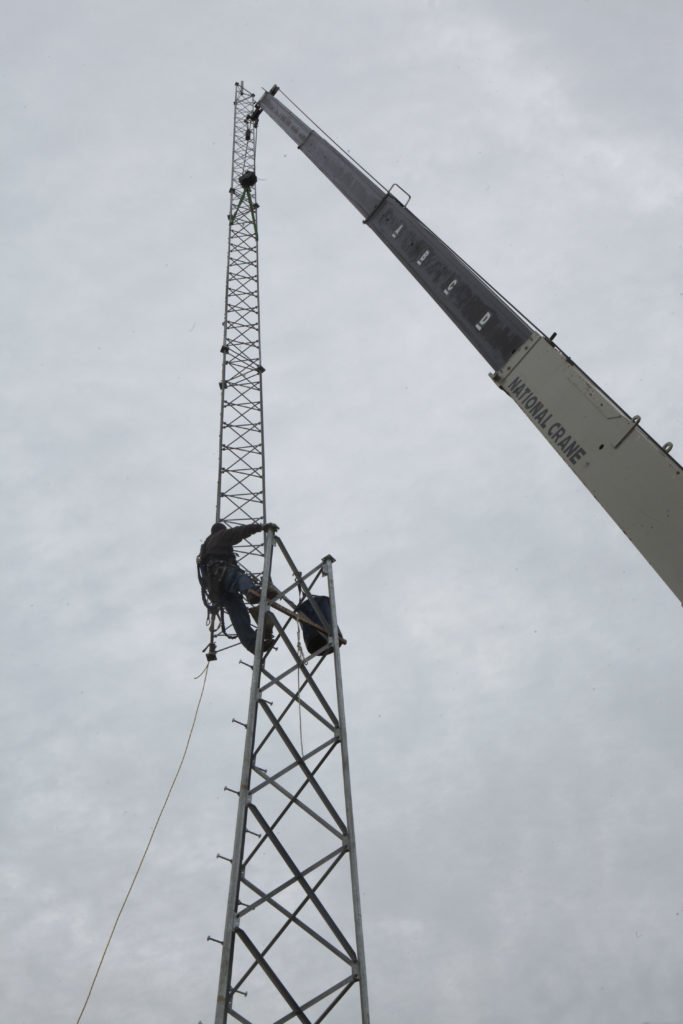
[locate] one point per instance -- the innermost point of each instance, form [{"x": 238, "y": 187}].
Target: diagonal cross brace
[
  {"x": 292, "y": 920},
  {"x": 285, "y": 809},
  {"x": 293, "y": 801},
  {"x": 308, "y": 889},
  {"x": 304, "y": 767}
]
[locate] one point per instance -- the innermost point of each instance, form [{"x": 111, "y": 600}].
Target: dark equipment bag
[{"x": 314, "y": 639}]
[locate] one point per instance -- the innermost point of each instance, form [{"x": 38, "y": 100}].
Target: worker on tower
[{"x": 225, "y": 584}]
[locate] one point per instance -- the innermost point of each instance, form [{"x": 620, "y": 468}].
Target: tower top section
[{"x": 240, "y": 491}]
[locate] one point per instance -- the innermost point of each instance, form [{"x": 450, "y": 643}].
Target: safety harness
[{"x": 210, "y": 573}]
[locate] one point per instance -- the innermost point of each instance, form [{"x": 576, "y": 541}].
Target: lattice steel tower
[
  {"x": 292, "y": 947},
  {"x": 241, "y": 492}
]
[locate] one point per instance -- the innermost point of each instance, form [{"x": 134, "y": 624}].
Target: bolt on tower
[{"x": 292, "y": 947}]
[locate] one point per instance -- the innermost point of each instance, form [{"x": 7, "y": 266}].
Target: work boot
[
  {"x": 269, "y": 621},
  {"x": 269, "y": 627},
  {"x": 268, "y": 624}
]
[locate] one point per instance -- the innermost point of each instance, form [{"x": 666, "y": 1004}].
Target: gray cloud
[{"x": 512, "y": 667}]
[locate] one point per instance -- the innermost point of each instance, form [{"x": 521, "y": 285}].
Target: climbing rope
[{"x": 204, "y": 673}]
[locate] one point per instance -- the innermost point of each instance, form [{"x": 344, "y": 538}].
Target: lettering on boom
[
  {"x": 469, "y": 302},
  {"x": 546, "y": 421}
]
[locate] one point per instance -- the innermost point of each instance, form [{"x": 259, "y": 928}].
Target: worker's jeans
[{"x": 234, "y": 585}]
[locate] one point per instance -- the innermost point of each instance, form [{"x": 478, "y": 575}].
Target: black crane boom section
[{"x": 494, "y": 328}]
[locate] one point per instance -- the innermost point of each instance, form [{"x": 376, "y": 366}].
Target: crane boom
[{"x": 634, "y": 478}]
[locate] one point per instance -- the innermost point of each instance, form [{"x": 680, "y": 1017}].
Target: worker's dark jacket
[{"x": 218, "y": 546}]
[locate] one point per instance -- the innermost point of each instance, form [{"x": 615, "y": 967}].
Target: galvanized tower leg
[
  {"x": 293, "y": 941},
  {"x": 240, "y": 494}
]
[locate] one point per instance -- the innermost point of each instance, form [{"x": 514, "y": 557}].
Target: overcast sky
[{"x": 512, "y": 673}]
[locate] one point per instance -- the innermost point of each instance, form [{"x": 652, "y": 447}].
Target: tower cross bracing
[
  {"x": 240, "y": 496},
  {"x": 292, "y": 947},
  {"x": 293, "y": 941}
]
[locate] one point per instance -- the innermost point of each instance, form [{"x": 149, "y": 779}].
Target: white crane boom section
[{"x": 635, "y": 479}]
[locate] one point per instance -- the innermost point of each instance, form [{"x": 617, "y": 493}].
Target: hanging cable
[{"x": 203, "y": 673}]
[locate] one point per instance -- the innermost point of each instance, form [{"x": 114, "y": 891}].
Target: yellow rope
[{"x": 204, "y": 673}]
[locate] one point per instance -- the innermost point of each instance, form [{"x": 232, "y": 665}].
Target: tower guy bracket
[{"x": 293, "y": 944}]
